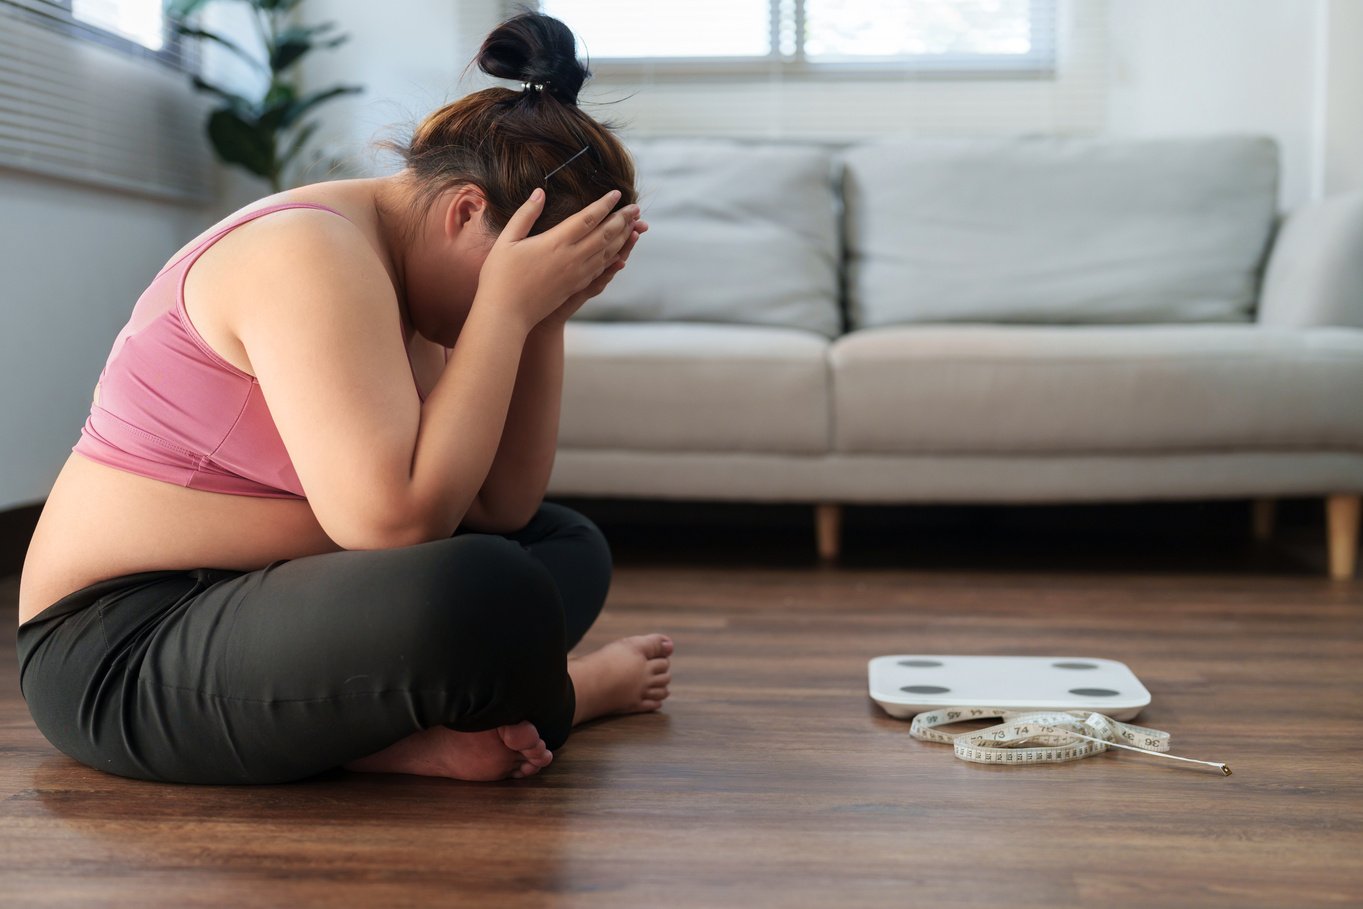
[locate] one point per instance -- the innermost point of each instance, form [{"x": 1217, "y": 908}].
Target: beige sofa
[{"x": 989, "y": 321}]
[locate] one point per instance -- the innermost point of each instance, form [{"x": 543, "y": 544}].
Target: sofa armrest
[{"x": 1315, "y": 272}]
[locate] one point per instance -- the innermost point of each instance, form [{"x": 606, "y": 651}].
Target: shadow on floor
[{"x": 1209, "y": 537}]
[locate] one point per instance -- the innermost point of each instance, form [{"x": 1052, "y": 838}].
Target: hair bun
[{"x": 535, "y": 48}]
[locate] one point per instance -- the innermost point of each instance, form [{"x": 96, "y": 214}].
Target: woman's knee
[
  {"x": 587, "y": 529},
  {"x": 504, "y": 626},
  {"x": 568, "y": 523},
  {"x": 484, "y": 592}
]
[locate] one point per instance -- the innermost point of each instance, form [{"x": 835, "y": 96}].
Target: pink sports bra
[{"x": 170, "y": 408}]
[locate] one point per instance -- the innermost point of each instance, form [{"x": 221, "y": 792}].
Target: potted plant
[{"x": 264, "y": 135}]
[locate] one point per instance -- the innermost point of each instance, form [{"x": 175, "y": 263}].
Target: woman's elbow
[
  {"x": 390, "y": 534},
  {"x": 481, "y": 519}
]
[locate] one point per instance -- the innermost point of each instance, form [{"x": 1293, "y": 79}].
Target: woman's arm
[
  {"x": 516, "y": 483},
  {"x": 519, "y": 476},
  {"x": 379, "y": 469}
]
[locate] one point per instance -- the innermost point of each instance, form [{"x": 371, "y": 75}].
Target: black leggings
[{"x": 214, "y": 675}]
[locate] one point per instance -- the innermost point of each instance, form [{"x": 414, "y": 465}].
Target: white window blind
[
  {"x": 142, "y": 21},
  {"x": 699, "y": 29},
  {"x": 822, "y": 38},
  {"x": 842, "y": 71},
  {"x": 100, "y": 94}
]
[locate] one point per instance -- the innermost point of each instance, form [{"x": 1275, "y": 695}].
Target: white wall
[
  {"x": 407, "y": 64},
  {"x": 74, "y": 260},
  {"x": 1290, "y": 68},
  {"x": 1342, "y": 124},
  {"x": 1183, "y": 67}
]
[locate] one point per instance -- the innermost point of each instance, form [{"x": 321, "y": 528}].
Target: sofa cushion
[
  {"x": 672, "y": 386},
  {"x": 1095, "y": 389},
  {"x": 738, "y": 233},
  {"x": 1057, "y": 230}
]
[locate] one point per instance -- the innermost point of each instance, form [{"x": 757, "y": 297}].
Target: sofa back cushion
[
  {"x": 1057, "y": 230},
  {"x": 738, "y": 232}
]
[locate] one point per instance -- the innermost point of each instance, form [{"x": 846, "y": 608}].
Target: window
[
  {"x": 824, "y": 38},
  {"x": 139, "y": 20},
  {"x": 98, "y": 91},
  {"x": 137, "y": 28}
]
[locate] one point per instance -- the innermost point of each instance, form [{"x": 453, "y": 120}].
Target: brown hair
[{"x": 505, "y": 140}]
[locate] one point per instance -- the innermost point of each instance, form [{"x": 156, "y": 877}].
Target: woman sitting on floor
[{"x": 270, "y": 555}]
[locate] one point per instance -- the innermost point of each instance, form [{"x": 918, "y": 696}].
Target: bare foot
[
  {"x": 626, "y": 676},
  {"x": 494, "y": 754}
]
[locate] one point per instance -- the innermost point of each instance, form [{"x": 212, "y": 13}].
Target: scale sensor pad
[{"x": 911, "y": 683}]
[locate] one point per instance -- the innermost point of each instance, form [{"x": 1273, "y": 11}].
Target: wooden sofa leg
[
  {"x": 828, "y": 529},
  {"x": 1263, "y": 518},
  {"x": 1341, "y": 516}
]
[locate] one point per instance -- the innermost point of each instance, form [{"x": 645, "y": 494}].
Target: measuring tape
[{"x": 1041, "y": 736}]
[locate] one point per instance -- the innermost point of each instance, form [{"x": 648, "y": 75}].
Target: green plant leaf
[
  {"x": 300, "y": 32},
  {"x": 292, "y": 46},
  {"x": 300, "y": 108},
  {"x": 235, "y": 102},
  {"x": 279, "y": 93},
  {"x": 288, "y": 52},
  {"x": 247, "y": 131},
  {"x": 182, "y": 9},
  {"x": 240, "y": 142},
  {"x": 234, "y": 48},
  {"x": 274, "y": 110}
]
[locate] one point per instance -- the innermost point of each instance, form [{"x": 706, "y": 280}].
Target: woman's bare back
[{"x": 100, "y": 522}]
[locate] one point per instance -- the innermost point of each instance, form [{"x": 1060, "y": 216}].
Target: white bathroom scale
[{"x": 910, "y": 683}]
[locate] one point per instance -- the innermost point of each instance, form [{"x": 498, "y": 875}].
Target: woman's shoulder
[
  {"x": 298, "y": 242},
  {"x": 285, "y": 254},
  {"x": 349, "y": 203}
]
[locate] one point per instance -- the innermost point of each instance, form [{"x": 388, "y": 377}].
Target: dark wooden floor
[{"x": 770, "y": 778}]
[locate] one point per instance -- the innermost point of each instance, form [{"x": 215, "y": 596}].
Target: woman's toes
[
  {"x": 655, "y": 645},
  {"x": 523, "y": 769},
  {"x": 520, "y": 736}
]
